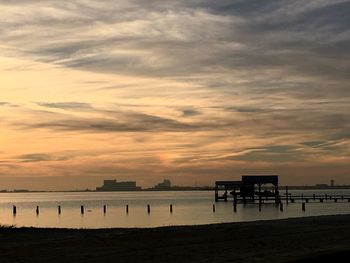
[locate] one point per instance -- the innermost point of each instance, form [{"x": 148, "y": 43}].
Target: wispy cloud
[{"x": 66, "y": 105}]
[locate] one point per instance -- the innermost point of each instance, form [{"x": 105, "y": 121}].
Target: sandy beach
[{"x": 290, "y": 240}]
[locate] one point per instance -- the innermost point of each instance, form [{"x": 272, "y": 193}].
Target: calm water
[{"x": 189, "y": 208}]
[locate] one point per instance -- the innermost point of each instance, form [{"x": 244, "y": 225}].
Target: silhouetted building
[
  {"x": 113, "y": 185},
  {"x": 166, "y": 184}
]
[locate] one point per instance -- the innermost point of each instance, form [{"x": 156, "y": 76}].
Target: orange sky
[{"x": 192, "y": 93}]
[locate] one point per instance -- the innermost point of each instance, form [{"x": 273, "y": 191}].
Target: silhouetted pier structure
[
  {"x": 250, "y": 188},
  {"x": 264, "y": 188},
  {"x": 288, "y": 197}
]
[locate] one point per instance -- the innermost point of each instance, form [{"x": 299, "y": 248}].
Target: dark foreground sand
[{"x": 292, "y": 240}]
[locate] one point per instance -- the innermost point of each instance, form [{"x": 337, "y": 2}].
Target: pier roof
[{"x": 260, "y": 179}]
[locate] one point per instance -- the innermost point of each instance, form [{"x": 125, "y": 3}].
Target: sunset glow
[{"x": 193, "y": 91}]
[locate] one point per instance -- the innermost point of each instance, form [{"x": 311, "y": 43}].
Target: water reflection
[{"x": 130, "y": 209}]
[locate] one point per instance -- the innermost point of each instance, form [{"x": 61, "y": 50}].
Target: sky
[{"x": 194, "y": 91}]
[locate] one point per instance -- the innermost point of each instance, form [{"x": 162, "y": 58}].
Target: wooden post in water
[
  {"x": 325, "y": 196},
  {"x": 303, "y": 207},
  {"x": 281, "y": 206},
  {"x": 259, "y": 197},
  {"x": 286, "y": 195},
  {"x": 104, "y": 209},
  {"x": 127, "y": 209},
  {"x": 213, "y": 208},
  {"x": 321, "y": 200},
  {"x": 306, "y": 200},
  {"x": 216, "y": 193},
  {"x": 59, "y": 209},
  {"x": 335, "y": 200},
  {"x": 148, "y": 209},
  {"x": 14, "y": 210},
  {"x": 37, "y": 210},
  {"x": 171, "y": 208},
  {"x": 82, "y": 209},
  {"x": 234, "y": 201},
  {"x": 314, "y": 196}
]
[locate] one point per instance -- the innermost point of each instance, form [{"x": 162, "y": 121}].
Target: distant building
[
  {"x": 166, "y": 184},
  {"x": 113, "y": 185}
]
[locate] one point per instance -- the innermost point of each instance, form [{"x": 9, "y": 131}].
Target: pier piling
[
  {"x": 82, "y": 209},
  {"x": 171, "y": 208},
  {"x": 234, "y": 207},
  {"x": 59, "y": 209},
  {"x": 14, "y": 210},
  {"x": 127, "y": 209},
  {"x": 37, "y": 210},
  {"x": 213, "y": 208},
  {"x": 148, "y": 209},
  {"x": 281, "y": 206},
  {"x": 104, "y": 209},
  {"x": 303, "y": 207}
]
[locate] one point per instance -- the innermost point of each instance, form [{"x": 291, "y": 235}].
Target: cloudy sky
[{"x": 194, "y": 91}]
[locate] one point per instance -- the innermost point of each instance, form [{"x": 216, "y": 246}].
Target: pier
[
  {"x": 264, "y": 189},
  {"x": 250, "y": 188}
]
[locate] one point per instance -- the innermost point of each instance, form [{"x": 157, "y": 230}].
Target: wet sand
[{"x": 290, "y": 240}]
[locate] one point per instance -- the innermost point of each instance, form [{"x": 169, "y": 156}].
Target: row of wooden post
[
  {"x": 303, "y": 207},
  {"x": 82, "y": 209}
]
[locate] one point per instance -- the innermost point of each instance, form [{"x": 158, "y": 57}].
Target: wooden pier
[
  {"x": 250, "y": 188},
  {"x": 264, "y": 189}
]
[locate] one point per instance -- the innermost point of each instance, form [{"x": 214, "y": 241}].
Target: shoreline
[
  {"x": 283, "y": 240},
  {"x": 172, "y": 189},
  {"x": 5, "y": 226}
]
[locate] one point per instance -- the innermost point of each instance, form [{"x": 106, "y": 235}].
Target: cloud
[
  {"x": 36, "y": 157},
  {"x": 190, "y": 112},
  {"x": 227, "y": 35},
  {"x": 41, "y": 157},
  {"x": 128, "y": 123},
  {"x": 7, "y": 104},
  {"x": 66, "y": 105}
]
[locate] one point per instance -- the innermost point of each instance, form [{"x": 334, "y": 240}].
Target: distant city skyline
[{"x": 192, "y": 91}]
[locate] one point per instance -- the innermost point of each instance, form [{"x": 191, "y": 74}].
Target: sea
[{"x": 189, "y": 208}]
